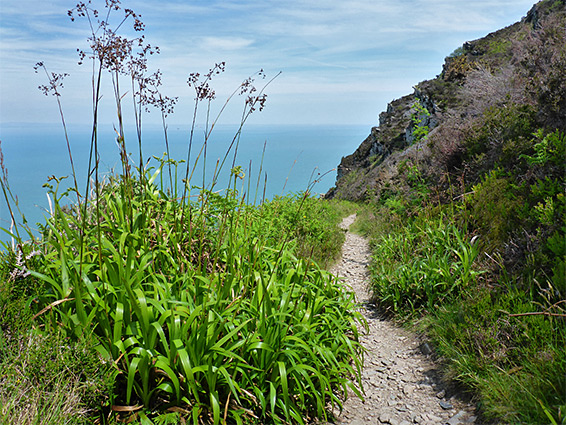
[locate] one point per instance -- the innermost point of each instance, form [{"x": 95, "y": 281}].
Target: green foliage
[
  {"x": 493, "y": 143},
  {"x": 516, "y": 364},
  {"x": 311, "y": 223},
  {"x": 16, "y": 293},
  {"x": 419, "y": 118},
  {"x": 499, "y": 46},
  {"x": 424, "y": 268},
  {"x": 549, "y": 149},
  {"x": 501, "y": 325},
  {"x": 396, "y": 205},
  {"x": 214, "y": 315},
  {"x": 494, "y": 208},
  {"x": 421, "y": 265},
  {"x": 373, "y": 221},
  {"x": 342, "y": 208}
]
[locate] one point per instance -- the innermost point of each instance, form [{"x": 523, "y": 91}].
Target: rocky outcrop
[{"x": 396, "y": 132}]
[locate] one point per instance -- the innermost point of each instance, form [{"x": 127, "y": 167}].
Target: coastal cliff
[
  {"x": 517, "y": 65},
  {"x": 477, "y": 157}
]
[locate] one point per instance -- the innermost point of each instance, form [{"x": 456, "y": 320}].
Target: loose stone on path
[{"x": 399, "y": 379}]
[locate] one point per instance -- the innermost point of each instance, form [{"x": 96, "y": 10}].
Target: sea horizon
[{"x": 295, "y": 155}]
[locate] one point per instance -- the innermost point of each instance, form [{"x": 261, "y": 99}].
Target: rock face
[
  {"x": 364, "y": 173},
  {"x": 395, "y": 133}
]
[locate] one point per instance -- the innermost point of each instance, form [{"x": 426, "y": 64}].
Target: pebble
[
  {"x": 425, "y": 349},
  {"x": 456, "y": 419},
  {"x": 434, "y": 418},
  {"x": 408, "y": 389}
]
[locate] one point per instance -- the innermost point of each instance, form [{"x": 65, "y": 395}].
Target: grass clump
[
  {"x": 424, "y": 264},
  {"x": 228, "y": 326},
  {"x": 312, "y": 223},
  {"x": 45, "y": 377}
]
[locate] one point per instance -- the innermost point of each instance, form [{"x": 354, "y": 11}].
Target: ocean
[{"x": 294, "y": 157}]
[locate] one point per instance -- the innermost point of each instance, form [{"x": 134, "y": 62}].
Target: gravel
[{"x": 400, "y": 379}]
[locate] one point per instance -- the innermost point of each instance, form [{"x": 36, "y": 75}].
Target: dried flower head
[
  {"x": 55, "y": 81},
  {"x": 114, "y": 52},
  {"x": 202, "y": 88}
]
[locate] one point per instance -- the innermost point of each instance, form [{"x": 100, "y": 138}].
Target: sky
[{"x": 341, "y": 61}]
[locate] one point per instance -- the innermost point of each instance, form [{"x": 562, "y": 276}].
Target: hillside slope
[
  {"x": 464, "y": 192},
  {"x": 522, "y": 64}
]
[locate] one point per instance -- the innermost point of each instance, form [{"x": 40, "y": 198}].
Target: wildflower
[{"x": 20, "y": 270}]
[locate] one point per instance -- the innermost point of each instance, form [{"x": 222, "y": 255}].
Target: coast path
[{"x": 402, "y": 384}]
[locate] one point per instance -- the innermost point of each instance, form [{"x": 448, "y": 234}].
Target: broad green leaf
[
  {"x": 163, "y": 363},
  {"x": 215, "y": 404},
  {"x": 132, "y": 371}
]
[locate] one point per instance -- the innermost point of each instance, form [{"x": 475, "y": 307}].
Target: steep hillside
[
  {"x": 520, "y": 65},
  {"x": 463, "y": 187}
]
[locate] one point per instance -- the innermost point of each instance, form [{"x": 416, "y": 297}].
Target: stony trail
[{"x": 401, "y": 382}]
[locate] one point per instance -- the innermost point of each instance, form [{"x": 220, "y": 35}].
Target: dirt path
[{"x": 400, "y": 380}]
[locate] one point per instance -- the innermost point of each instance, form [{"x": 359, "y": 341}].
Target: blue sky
[{"x": 341, "y": 61}]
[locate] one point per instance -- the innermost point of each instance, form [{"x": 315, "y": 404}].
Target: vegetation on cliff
[{"x": 465, "y": 201}]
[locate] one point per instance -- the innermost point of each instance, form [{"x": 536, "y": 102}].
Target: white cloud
[
  {"x": 225, "y": 43},
  {"x": 330, "y": 50}
]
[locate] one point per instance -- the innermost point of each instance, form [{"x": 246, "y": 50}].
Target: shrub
[{"x": 494, "y": 209}]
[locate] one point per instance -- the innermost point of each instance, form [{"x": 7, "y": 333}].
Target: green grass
[
  {"x": 313, "y": 224},
  {"x": 421, "y": 266},
  {"x": 516, "y": 364}
]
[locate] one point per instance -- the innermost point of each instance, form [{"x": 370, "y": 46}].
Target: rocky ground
[{"x": 402, "y": 383}]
